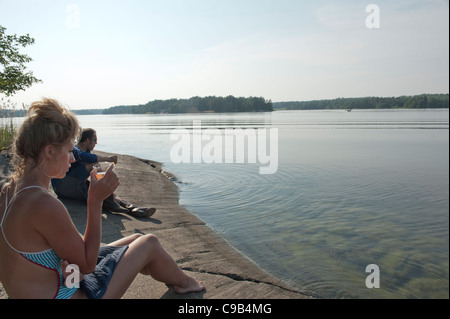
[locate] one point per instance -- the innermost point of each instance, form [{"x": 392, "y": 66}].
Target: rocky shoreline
[{"x": 197, "y": 249}]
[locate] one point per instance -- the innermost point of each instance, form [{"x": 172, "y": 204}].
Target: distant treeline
[
  {"x": 88, "y": 111},
  {"x": 422, "y": 101},
  {"x": 12, "y": 113},
  {"x": 22, "y": 113},
  {"x": 259, "y": 104},
  {"x": 197, "y": 104}
]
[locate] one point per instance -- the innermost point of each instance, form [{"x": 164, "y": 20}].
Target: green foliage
[
  {"x": 197, "y": 104},
  {"x": 13, "y": 74},
  {"x": 8, "y": 109},
  {"x": 14, "y": 77},
  {"x": 88, "y": 111},
  {"x": 259, "y": 104},
  {"x": 407, "y": 102},
  {"x": 6, "y": 135}
]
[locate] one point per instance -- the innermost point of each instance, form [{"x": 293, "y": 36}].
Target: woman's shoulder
[
  {"x": 44, "y": 206},
  {"x": 48, "y": 202},
  {"x": 46, "y": 214}
]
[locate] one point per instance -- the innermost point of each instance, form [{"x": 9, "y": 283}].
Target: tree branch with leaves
[{"x": 14, "y": 75}]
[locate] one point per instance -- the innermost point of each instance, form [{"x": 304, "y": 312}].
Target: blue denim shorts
[{"x": 94, "y": 285}]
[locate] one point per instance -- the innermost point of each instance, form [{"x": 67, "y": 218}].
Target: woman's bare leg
[
  {"x": 126, "y": 240},
  {"x": 146, "y": 255}
]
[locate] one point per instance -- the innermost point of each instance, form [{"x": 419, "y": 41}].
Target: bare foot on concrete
[{"x": 191, "y": 285}]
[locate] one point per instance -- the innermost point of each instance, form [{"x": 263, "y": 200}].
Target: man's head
[{"x": 88, "y": 139}]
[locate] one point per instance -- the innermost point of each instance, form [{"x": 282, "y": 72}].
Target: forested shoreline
[
  {"x": 253, "y": 104},
  {"x": 423, "y": 101},
  {"x": 213, "y": 104},
  {"x": 197, "y": 104}
]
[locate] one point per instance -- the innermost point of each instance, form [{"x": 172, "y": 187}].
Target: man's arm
[{"x": 112, "y": 159}]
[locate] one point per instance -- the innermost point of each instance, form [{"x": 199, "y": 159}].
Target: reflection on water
[{"x": 352, "y": 189}]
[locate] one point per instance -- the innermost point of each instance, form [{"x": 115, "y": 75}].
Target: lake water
[{"x": 351, "y": 189}]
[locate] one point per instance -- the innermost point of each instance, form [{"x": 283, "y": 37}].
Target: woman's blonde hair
[{"x": 47, "y": 123}]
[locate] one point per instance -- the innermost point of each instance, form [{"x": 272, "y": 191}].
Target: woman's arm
[
  {"x": 98, "y": 191},
  {"x": 56, "y": 226}
]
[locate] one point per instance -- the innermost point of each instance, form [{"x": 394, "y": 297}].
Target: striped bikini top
[{"x": 46, "y": 259}]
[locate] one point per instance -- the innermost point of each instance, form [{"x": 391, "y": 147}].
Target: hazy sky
[{"x": 98, "y": 54}]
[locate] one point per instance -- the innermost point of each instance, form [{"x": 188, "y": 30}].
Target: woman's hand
[{"x": 101, "y": 189}]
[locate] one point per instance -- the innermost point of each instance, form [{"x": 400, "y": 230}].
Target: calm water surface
[{"x": 351, "y": 189}]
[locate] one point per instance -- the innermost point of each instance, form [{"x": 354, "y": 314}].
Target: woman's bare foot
[{"x": 192, "y": 285}]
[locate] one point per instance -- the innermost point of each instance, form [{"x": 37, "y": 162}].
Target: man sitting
[{"x": 76, "y": 184}]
